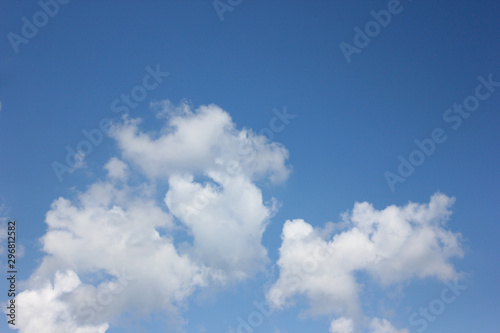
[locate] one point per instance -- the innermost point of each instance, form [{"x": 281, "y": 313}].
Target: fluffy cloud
[
  {"x": 391, "y": 245},
  {"x": 112, "y": 247},
  {"x": 196, "y": 141},
  {"x": 342, "y": 325},
  {"x": 106, "y": 234},
  {"x": 226, "y": 220},
  {"x": 116, "y": 169},
  {"x": 43, "y": 310},
  {"x": 211, "y": 168}
]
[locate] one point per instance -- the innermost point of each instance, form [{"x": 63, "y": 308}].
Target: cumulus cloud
[
  {"x": 227, "y": 221},
  {"x": 196, "y": 141},
  {"x": 112, "y": 246},
  {"x": 111, "y": 249},
  {"x": 105, "y": 232},
  {"x": 392, "y": 245},
  {"x": 116, "y": 168},
  {"x": 342, "y": 325},
  {"x": 43, "y": 310}
]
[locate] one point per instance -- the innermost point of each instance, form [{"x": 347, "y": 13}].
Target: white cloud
[
  {"x": 116, "y": 168},
  {"x": 196, "y": 141},
  {"x": 166, "y": 109},
  {"x": 307, "y": 268},
  {"x": 43, "y": 310},
  {"x": 211, "y": 167},
  {"x": 226, "y": 219},
  {"x": 114, "y": 229},
  {"x": 111, "y": 249},
  {"x": 105, "y": 232},
  {"x": 378, "y": 325},
  {"x": 392, "y": 245},
  {"x": 342, "y": 325}
]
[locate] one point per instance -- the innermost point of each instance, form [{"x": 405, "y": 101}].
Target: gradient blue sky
[{"x": 353, "y": 121}]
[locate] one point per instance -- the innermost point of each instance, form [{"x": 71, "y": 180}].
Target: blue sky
[{"x": 350, "y": 118}]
